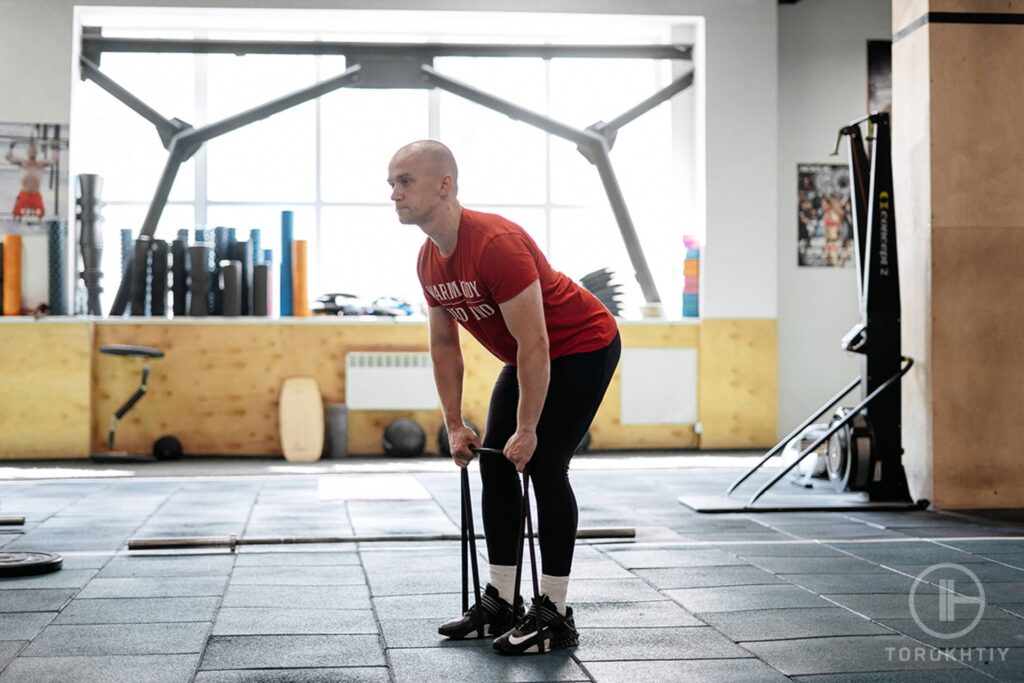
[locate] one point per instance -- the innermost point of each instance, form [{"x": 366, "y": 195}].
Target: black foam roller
[
  {"x": 158, "y": 287},
  {"x": 231, "y": 286},
  {"x": 179, "y": 276},
  {"x": 58, "y": 267},
  {"x": 199, "y": 256},
  {"x": 260, "y": 289},
  {"x": 213, "y": 288},
  {"x": 221, "y": 253},
  {"x": 242, "y": 252},
  {"x": 140, "y": 274}
]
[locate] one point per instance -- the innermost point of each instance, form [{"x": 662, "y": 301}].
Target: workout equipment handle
[{"x": 489, "y": 451}]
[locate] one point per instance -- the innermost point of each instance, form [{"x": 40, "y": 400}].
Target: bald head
[
  {"x": 424, "y": 183},
  {"x": 432, "y": 158}
]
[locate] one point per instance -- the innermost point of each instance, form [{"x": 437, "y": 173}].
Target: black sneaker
[
  {"x": 496, "y": 614},
  {"x": 557, "y": 631}
]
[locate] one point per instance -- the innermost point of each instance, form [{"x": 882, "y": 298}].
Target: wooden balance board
[{"x": 301, "y": 419}]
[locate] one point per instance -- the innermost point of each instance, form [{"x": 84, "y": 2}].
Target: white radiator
[{"x": 390, "y": 380}]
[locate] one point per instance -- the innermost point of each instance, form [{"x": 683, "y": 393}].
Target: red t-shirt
[{"x": 494, "y": 260}]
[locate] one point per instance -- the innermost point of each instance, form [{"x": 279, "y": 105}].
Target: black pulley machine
[{"x": 864, "y": 445}]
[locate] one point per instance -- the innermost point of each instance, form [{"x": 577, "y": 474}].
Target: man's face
[
  {"x": 414, "y": 189},
  {"x": 31, "y": 151}
]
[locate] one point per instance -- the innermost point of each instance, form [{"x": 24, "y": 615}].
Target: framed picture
[
  {"x": 824, "y": 216},
  {"x": 33, "y": 171}
]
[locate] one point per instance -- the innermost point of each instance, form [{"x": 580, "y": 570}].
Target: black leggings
[{"x": 575, "y": 391}]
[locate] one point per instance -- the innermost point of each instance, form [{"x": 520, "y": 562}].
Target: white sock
[
  {"x": 556, "y": 588},
  {"x": 503, "y": 577}
]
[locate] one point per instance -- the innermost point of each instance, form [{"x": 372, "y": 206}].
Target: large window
[{"x": 327, "y": 160}]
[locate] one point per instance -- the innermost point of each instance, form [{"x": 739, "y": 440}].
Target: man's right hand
[{"x": 460, "y": 438}]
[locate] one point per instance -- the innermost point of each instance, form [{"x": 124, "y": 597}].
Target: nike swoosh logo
[{"x": 518, "y": 641}]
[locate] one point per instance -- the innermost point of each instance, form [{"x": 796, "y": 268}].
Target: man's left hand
[{"x": 519, "y": 449}]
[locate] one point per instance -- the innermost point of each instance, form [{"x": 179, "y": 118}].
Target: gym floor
[{"x": 807, "y": 596}]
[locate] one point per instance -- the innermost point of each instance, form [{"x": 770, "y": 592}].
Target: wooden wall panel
[
  {"x": 979, "y": 387},
  {"x": 44, "y": 389},
  {"x": 218, "y": 385},
  {"x": 738, "y": 383}
]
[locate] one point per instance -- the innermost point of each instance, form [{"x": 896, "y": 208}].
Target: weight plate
[
  {"x": 861, "y": 455},
  {"x": 28, "y": 564},
  {"x": 837, "y": 458}
]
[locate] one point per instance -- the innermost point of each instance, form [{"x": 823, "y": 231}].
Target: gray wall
[{"x": 822, "y": 86}]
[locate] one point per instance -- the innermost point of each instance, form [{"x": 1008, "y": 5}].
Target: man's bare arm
[
  {"x": 524, "y": 317},
  {"x": 446, "y": 356}
]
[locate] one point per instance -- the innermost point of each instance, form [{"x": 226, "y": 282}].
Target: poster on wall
[
  {"x": 33, "y": 234},
  {"x": 33, "y": 171},
  {"x": 879, "y": 75},
  {"x": 824, "y": 217}
]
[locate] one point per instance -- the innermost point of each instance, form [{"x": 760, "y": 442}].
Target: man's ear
[{"x": 447, "y": 182}]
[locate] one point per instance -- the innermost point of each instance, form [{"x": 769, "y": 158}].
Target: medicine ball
[
  {"x": 443, "y": 447},
  {"x": 167, "y": 448},
  {"x": 404, "y": 438}
]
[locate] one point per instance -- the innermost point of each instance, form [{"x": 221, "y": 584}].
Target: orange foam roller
[
  {"x": 691, "y": 267},
  {"x": 12, "y": 275},
  {"x": 300, "y": 285}
]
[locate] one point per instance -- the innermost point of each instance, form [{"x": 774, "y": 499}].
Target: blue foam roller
[
  {"x": 255, "y": 237},
  {"x": 127, "y": 249},
  {"x": 691, "y": 307},
  {"x": 287, "y": 229}
]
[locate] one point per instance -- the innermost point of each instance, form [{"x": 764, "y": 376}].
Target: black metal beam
[{"x": 97, "y": 44}]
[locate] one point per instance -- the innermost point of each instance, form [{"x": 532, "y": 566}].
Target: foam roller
[
  {"x": 199, "y": 256},
  {"x": 58, "y": 267},
  {"x": 12, "y": 274},
  {"x": 242, "y": 252},
  {"x": 220, "y": 249},
  {"x": 286, "y": 262},
  {"x": 179, "y": 276},
  {"x": 260, "y": 289},
  {"x": 158, "y": 286},
  {"x": 300, "y": 288},
  {"x": 127, "y": 249},
  {"x": 231, "y": 286},
  {"x": 256, "y": 237},
  {"x": 140, "y": 275}
]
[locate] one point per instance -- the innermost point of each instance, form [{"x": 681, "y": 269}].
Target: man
[
  {"x": 29, "y": 200},
  {"x": 560, "y": 347}
]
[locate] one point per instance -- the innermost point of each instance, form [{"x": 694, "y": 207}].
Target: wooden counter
[{"x": 216, "y": 389}]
